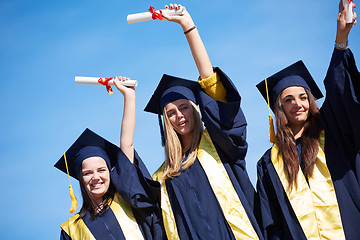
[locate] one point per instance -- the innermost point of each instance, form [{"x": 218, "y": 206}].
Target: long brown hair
[
  {"x": 89, "y": 202},
  {"x": 309, "y": 140},
  {"x": 174, "y": 154}
]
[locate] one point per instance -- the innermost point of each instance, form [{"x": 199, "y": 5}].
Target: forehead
[
  {"x": 293, "y": 91},
  {"x": 176, "y": 104},
  {"x": 93, "y": 162}
]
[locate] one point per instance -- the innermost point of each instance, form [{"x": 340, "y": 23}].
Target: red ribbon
[
  {"x": 105, "y": 82},
  {"x": 155, "y": 15},
  {"x": 350, "y": 1}
]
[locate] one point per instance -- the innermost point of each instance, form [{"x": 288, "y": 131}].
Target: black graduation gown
[
  {"x": 141, "y": 192},
  {"x": 340, "y": 115},
  {"x": 196, "y": 210}
]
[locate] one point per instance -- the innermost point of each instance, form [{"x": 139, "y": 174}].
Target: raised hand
[{"x": 343, "y": 28}]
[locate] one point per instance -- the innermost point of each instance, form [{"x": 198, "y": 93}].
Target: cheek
[
  {"x": 86, "y": 179},
  {"x": 286, "y": 107},
  {"x": 172, "y": 121},
  {"x": 106, "y": 176}
]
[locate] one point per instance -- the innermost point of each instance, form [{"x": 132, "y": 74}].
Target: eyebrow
[
  {"x": 181, "y": 105},
  {"x": 290, "y": 95}
]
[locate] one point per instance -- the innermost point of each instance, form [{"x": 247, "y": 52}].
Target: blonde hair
[{"x": 174, "y": 153}]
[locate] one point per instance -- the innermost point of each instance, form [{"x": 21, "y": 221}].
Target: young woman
[
  {"x": 308, "y": 182},
  {"x": 205, "y": 190},
  {"x": 120, "y": 200}
]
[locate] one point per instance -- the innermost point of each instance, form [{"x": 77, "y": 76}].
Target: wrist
[
  {"x": 341, "y": 45},
  {"x": 187, "y": 24}
]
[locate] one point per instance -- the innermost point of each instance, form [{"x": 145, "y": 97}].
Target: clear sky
[{"x": 45, "y": 44}]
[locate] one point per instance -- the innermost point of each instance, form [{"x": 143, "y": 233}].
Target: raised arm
[
  {"x": 197, "y": 47},
  {"x": 343, "y": 28},
  {"x": 128, "y": 121}
]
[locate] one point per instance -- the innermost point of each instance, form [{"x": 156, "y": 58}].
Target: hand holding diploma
[
  {"x": 152, "y": 15},
  {"x": 106, "y": 81},
  {"x": 343, "y": 27}
]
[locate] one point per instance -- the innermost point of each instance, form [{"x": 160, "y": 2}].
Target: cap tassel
[
  {"x": 272, "y": 137},
  {"x": 72, "y": 194}
]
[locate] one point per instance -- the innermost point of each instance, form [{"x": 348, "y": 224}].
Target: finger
[
  {"x": 355, "y": 16},
  {"x": 171, "y": 6},
  {"x": 166, "y": 7},
  {"x": 175, "y": 6}
]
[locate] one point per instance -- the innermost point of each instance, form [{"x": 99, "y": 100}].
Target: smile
[{"x": 96, "y": 186}]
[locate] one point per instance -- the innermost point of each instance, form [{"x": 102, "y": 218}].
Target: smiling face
[
  {"x": 295, "y": 103},
  {"x": 96, "y": 177},
  {"x": 180, "y": 114}
]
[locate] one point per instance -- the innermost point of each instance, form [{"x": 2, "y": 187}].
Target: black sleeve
[
  {"x": 341, "y": 109},
  {"x": 225, "y": 122},
  {"x": 134, "y": 182}
]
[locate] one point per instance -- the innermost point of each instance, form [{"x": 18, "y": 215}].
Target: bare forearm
[
  {"x": 128, "y": 127},
  {"x": 197, "y": 47}
]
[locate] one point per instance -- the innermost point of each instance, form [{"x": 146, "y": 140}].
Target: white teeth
[{"x": 96, "y": 185}]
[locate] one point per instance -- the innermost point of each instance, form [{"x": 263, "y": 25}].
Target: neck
[
  {"x": 100, "y": 203},
  {"x": 186, "y": 141},
  {"x": 297, "y": 131}
]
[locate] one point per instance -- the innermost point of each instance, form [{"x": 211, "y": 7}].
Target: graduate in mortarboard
[
  {"x": 205, "y": 190},
  {"x": 120, "y": 199},
  {"x": 308, "y": 182}
]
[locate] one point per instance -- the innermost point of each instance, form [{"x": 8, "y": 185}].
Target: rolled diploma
[
  {"x": 94, "y": 81},
  {"x": 147, "y": 16},
  {"x": 349, "y": 11}
]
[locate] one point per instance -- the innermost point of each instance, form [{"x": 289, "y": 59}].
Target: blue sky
[{"x": 45, "y": 44}]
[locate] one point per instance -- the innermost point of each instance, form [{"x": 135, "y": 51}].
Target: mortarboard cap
[
  {"x": 89, "y": 144},
  {"x": 171, "y": 89},
  {"x": 293, "y": 75}
]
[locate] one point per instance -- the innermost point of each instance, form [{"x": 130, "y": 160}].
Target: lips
[
  {"x": 96, "y": 186},
  {"x": 182, "y": 123}
]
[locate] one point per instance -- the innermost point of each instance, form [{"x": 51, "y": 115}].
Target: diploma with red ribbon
[
  {"x": 348, "y": 4},
  {"x": 104, "y": 81},
  {"x": 152, "y": 14}
]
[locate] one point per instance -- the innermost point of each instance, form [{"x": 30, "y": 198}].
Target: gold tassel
[
  {"x": 73, "y": 200},
  {"x": 72, "y": 194},
  {"x": 272, "y": 137}
]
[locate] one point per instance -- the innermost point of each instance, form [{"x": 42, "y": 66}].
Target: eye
[
  {"x": 170, "y": 114},
  {"x": 86, "y": 173}
]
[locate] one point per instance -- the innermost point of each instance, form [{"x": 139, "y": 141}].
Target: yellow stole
[
  {"x": 122, "y": 212},
  {"x": 314, "y": 203},
  {"x": 223, "y": 189}
]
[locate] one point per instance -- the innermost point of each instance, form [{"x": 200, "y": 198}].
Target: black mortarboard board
[
  {"x": 170, "y": 89},
  {"x": 87, "y": 145},
  {"x": 293, "y": 75}
]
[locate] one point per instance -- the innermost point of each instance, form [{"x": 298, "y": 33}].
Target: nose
[
  {"x": 96, "y": 176},
  {"x": 297, "y": 102},
  {"x": 179, "y": 114}
]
